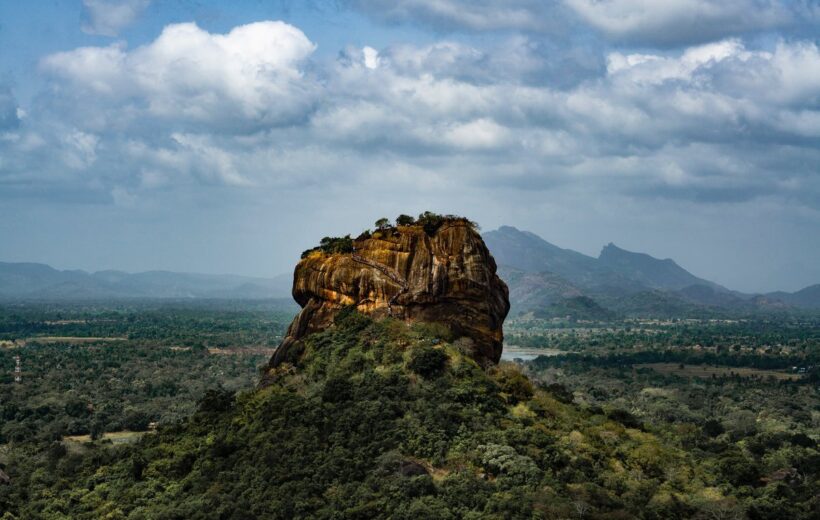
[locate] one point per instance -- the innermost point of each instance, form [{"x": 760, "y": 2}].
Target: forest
[{"x": 132, "y": 410}]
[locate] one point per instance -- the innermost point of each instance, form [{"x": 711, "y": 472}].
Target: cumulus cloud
[
  {"x": 252, "y": 109},
  {"x": 645, "y": 22},
  {"x": 682, "y": 21},
  {"x": 519, "y": 59},
  {"x": 109, "y": 17},
  {"x": 704, "y": 123},
  {"x": 244, "y": 80}
]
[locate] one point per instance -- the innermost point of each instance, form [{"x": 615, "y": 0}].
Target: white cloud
[
  {"x": 712, "y": 122},
  {"x": 210, "y": 160},
  {"x": 80, "y": 149},
  {"x": 244, "y": 80},
  {"x": 109, "y": 17},
  {"x": 371, "y": 57},
  {"x": 478, "y": 134},
  {"x": 645, "y": 115},
  {"x": 655, "y": 69},
  {"x": 652, "y": 22},
  {"x": 681, "y": 21}
]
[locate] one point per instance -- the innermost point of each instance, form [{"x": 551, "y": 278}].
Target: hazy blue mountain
[
  {"x": 529, "y": 291},
  {"x": 29, "y": 277},
  {"x": 528, "y": 252},
  {"x": 615, "y": 272},
  {"x": 649, "y": 271},
  {"x": 39, "y": 281},
  {"x": 542, "y": 275},
  {"x": 807, "y": 298},
  {"x": 709, "y": 294}
]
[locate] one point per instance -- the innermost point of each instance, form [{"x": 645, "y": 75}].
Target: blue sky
[{"x": 230, "y": 136}]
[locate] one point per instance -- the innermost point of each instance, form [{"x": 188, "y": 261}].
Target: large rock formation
[{"x": 444, "y": 275}]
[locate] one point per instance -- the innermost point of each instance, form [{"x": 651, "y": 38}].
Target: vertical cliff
[{"x": 443, "y": 275}]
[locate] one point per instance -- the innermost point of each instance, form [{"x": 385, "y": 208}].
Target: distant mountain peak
[
  {"x": 653, "y": 272},
  {"x": 614, "y": 271},
  {"x": 611, "y": 250},
  {"x": 807, "y": 297},
  {"x": 529, "y": 252},
  {"x": 509, "y": 229}
]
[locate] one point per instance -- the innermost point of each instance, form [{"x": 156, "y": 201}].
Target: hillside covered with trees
[{"x": 384, "y": 421}]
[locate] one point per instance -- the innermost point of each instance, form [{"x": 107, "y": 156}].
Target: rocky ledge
[{"x": 435, "y": 270}]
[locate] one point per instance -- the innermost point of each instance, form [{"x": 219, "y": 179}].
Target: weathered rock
[{"x": 446, "y": 276}]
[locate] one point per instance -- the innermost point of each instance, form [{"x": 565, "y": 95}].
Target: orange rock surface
[{"x": 447, "y": 277}]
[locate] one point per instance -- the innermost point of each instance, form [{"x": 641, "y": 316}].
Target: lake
[{"x": 511, "y": 352}]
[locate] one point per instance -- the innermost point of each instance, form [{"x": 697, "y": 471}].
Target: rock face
[{"x": 445, "y": 276}]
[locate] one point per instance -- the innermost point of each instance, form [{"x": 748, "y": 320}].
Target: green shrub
[
  {"x": 427, "y": 361},
  {"x": 516, "y": 385},
  {"x": 405, "y": 220}
]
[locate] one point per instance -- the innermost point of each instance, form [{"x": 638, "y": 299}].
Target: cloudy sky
[{"x": 229, "y": 136}]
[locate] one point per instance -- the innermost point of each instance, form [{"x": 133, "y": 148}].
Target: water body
[{"x": 511, "y": 353}]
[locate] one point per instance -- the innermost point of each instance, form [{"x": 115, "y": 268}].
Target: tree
[
  {"x": 405, "y": 220},
  {"x": 382, "y": 224},
  {"x": 428, "y": 361},
  {"x": 581, "y": 508}
]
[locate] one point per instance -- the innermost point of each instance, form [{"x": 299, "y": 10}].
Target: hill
[
  {"x": 808, "y": 297},
  {"x": 379, "y": 421},
  {"x": 40, "y": 281},
  {"x": 530, "y": 253},
  {"x": 649, "y": 271},
  {"x": 382, "y": 420},
  {"x": 529, "y": 290}
]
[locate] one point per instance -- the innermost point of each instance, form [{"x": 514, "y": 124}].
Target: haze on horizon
[{"x": 227, "y": 138}]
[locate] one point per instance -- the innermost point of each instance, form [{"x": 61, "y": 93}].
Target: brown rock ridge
[{"x": 445, "y": 276}]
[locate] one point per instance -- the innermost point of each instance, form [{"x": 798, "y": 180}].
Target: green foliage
[
  {"x": 427, "y": 361},
  {"x": 405, "y": 220},
  {"x": 432, "y": 221},
  {"x": 358, "y": 431},
  {"x": 576, "y": 308},
  {"x": 503, "y": 461},
  {"x": 215, "y": 401},
  {"x": 156, "y": 372},
  {"x": 515, "y": 385},
  {"x": 744, "y": 434},
  {"x": 332, "y": 245}
]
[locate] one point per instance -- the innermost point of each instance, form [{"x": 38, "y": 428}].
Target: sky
[{"x": 227, "y": 137}]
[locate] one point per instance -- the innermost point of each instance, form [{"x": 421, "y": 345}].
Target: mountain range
[
  {"x": 553, "y": 281},
  {"x": 40, "y": 281},
  {"x": 542, "y": 277}
]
